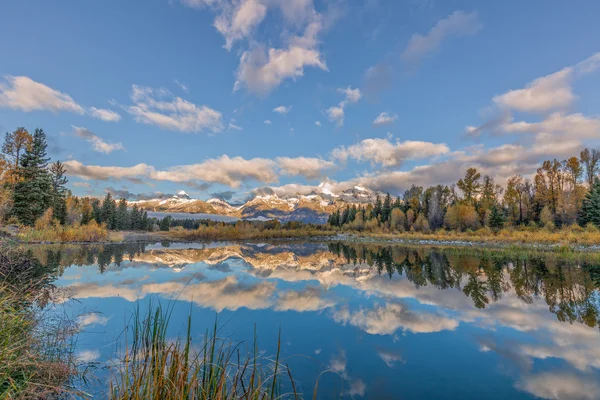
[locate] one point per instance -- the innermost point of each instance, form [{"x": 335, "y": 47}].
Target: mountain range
[{"x": 311, "y": 208}]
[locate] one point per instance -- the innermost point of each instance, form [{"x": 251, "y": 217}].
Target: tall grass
[
  {"x": 36, "y": 360},
  {"x": 56, "y": 233},
  {"x": 154, "y": 367}
]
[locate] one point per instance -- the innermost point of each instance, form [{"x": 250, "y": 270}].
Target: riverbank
[{"x": 572, "y": 238}]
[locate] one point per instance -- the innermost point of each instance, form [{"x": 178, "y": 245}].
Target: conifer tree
[
  {"x": 59, "y": 191},
  {"x": 32, "y": 194},
  {"x": 122, "y": 217},
  {"x": 386, "y": 209},
  {"x": 108, "y": 211},
  {"x": 590, "y": 210},
  {"x": 377, "y": 208},
  {"x": 497, "y": 218}
]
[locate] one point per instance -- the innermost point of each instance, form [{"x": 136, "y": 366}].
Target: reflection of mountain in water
[{"x": 567, "y": 287}]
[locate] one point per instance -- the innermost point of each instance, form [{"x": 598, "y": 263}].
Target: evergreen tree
[
  {"x": 32, "y": 194},
  {"x": 345, "y": 215},
  {"x": 59, "y": 191},
  {"x": 497, "y": 218},
  {"x": 377, "y": 208},
  {"x": 165, "y": 223},
  {"x": 590, "y": 210},
  {"x": 96, "y": 211},
  {"x": 145, "y": 224},
  {"x": 122, "y": 217},
  {"x": 135, "y": 217},
  {"x": 386, "y": 209},
  {"x": 108, "y": 211}
]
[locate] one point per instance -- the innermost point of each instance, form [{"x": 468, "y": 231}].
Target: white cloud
[
  {"x": 98, "y": 144},
  {"x": 267, "y": 121},
  {"x": 235, "y": 127},
  {"x": 182, "y": 86},
  {"x": 387, "y": 319},
  {"x": 336, "y": 114},
  {"x": 23, "y": 93},
  {"x": 230, "y": 171},
  {"x": 87, "y": 356},
  {"x": 159, "y": 107},
  {"x": 261, "y": 71},
  {"x": 457, "y": 24},
  {"x": 352, "y": 95},
  {"x": 104, "y": 114},
  {"x": 238, "y": 22},
  {"x": 560, "y": 386},
  {"x": 388, "y": 154},
  {"x": 92, "y": 319},
  {"x": 318, "y": 123},
  {"x": 550, "y": 92},
  {"x": 76, "y": 168},
  {"x": 282, "y": 109},
  {"x": 310, "y": 168},
  {"x": 385, "y": 119}
]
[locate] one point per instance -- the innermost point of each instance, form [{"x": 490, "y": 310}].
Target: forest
[{"x": 561, "y": 194}]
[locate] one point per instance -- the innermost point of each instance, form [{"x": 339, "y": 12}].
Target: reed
[{"x": 153, "y": 367}]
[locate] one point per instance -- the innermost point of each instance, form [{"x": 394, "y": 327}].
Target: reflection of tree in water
[
  {"x": 570, "y": 289},
  {"x": 60, "y": 257}
]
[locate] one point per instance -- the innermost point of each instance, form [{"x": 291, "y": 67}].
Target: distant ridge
[{"x": 312, "y": 208}]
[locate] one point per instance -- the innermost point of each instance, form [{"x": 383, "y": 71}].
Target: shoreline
[{"x": 485, "y": 242}]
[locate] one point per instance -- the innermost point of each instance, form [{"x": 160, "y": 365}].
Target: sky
[{"x": 233, "y": 98}]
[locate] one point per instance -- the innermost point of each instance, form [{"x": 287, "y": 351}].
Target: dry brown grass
[{"x": 56, "y": 233}]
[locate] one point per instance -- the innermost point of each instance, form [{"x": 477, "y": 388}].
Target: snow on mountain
[{"x": 314, "y": 207}]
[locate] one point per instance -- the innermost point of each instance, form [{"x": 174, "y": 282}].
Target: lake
[{"x": 384, "y": 322}]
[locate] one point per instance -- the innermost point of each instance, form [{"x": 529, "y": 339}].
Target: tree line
[
  {"x": 32, "y": 189},
  {"x": 561, "y": 193}
]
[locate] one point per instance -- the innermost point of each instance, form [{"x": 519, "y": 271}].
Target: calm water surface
[{"x": 388, "y": 322}]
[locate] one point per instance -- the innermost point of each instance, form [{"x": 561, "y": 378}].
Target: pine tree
[
  {"x": 165, "y": 223},
  {"x": 145, "y": 224},
  {"x": 590, "y": 210},
  {"x": 32, "y": 194},
  {"x": 122, "y": 217},
  {"x": 108, "y": 211},
  {"x": 497, "y": 218},
  {"x": 135, "y": 218},
  {"x": 59, "y": 191},
  {"x": 377, "y": 208},
  {"x": 386, "y": 209}
]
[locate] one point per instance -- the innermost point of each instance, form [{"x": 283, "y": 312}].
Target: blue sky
[{"x": 164, "y": 95}]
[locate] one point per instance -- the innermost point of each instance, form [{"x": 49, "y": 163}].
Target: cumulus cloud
[
  {"x": 104, "y": 114},
  {"x": 230, "y": 171},
  {"x": 559, "y": 385},
  {"x": 25, "y": 94},
  {"x": 388, "y": 154},
  {"x": 126, "y": 194},
  {"x": 550, "y": 92},
  {"x": 385, "y": 119},
  {"x": 310, "y": 168},
  {"x": 159, "y": 107},
  {"x": 92, "y": 319},
  {"x": 98, "y": 144},
  {"x": 268, "y": 122},
  {"x": 336, "y": 113},
  {"x": 282, "y": 110},
  {"x": 103, "y": 173},
  {"x": 457, "y": 24},
  {"x": 318, "y": 123},
  {"x": 87, "y": 356},
  {"x": 387, "y": 319}
]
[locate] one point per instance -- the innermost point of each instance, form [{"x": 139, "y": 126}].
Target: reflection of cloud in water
[
  {"x": 387, "y": 319},
  {"x": 338, "y": 364},
  {"x": 390, "y": 358},
  {"x": 87, "y": 356},
  {"x": 92, "y": 319},
  {"x": 560, "y": 386},
  {"x": 309, "y": 299}
]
